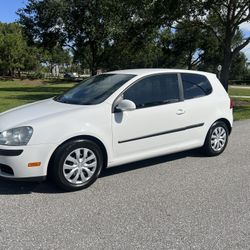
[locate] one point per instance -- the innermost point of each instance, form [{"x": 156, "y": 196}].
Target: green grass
[
  {"x": 241, "y": 112},
  {"x": 240, "y": 99},
  {"x": 241, "y": 108},
  {"x": 241, "y": 105},
  {"x": 239, "y": 91},
  {"x": 16, "y": 93}
]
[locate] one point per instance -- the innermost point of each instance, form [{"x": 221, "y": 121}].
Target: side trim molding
[{"x": 163, "y": 133}]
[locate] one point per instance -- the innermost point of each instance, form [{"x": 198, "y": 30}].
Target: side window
[
  {"x": 154, "y": 90},
  {"x": 195, "y": 85}
]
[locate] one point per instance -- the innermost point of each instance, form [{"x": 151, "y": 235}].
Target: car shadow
[
  {"x": 8, "y": 187},
  {"x": 149, "y": 162},
  {"x": 18, "y": 187}
]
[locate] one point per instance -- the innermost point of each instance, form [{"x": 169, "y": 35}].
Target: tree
[
  {"x": 57, "y": 55},
  {"x": 94, "y": 28},
  {"x": 224, "y": 19},
  {"x": 13, "y": 48},
  {"x": 113, "y": 34},
  {"x": 81, "y": 25},
  {"x": 42, "y": 22},
  {"x": 239, "y": 67},
  {"x": 33, "y": 58},
  {"x": 186, "y": 42}
]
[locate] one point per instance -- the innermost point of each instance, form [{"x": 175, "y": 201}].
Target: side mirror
[{"x": 125, "y": 105}]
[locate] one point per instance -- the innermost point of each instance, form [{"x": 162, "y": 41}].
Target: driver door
[{"x": 155, "y": 125}]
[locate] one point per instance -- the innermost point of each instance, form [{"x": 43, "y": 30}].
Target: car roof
[{"x": 149, "y": 71}]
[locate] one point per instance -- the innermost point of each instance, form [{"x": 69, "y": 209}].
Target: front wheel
[
  {"x": 77, "y": 164},
  {"x": 216, "y": 140}
]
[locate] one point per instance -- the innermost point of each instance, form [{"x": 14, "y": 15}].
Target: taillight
[{"x": 231, "y": 103}]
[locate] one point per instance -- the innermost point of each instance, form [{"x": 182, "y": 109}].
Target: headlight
[{"x": 16, "y": 136}]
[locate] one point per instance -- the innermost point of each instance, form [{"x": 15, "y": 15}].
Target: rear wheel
[
  {"x": 216, "y": 140},
  {"x": 77, "y": 164}
]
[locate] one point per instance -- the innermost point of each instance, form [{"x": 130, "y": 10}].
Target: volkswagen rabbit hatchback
[{"x": 112, "y": 119}]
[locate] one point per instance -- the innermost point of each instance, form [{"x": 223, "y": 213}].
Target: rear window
[{"x": 195, "y": 85}]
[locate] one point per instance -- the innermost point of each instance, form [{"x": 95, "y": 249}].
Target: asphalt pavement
[{"x": 180, "y": 201}]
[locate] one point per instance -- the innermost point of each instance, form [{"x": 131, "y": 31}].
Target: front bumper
[
  {"x": 27, "y": 179},
  {"x": 14, "y": 161}
]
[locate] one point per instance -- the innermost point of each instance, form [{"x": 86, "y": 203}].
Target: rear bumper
[{"x": 14, "y": 161}]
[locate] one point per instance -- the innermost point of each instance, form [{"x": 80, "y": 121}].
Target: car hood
[{"x": 22, "y": 115}]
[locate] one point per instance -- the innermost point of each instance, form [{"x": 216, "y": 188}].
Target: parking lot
[{"x": 180, "y": 201}]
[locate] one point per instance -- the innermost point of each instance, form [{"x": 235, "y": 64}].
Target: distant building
[{"x": 55, "y": 70}]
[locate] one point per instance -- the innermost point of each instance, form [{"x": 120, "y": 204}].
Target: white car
[{"x": 112, "y": 119}]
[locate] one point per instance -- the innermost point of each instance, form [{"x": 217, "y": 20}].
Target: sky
[
  {"x": 8, "y": 10},
  {"x": 245, "y": 27}
]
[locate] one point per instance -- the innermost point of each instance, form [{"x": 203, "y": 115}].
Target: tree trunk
[
  {"x": 93, "y": 66},
  {"x": 226, "y": 64},
  {"x": 224, "y": 77},
  {"x": 93, "y": 70},
  {"x": 19, "y": 73},
  {"x": 11, "y": 72},
  {"x": 190, "y": 57}
]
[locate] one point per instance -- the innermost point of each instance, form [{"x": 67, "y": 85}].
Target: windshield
[{"x": 95, "y": 89}]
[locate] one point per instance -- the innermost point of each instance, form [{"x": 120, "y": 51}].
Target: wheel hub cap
[
  {"x": 218, "y": 139},
  {"x": 79, "y": 166}
]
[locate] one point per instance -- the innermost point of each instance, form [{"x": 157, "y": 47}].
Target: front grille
[{"x": 6, "y": 169}]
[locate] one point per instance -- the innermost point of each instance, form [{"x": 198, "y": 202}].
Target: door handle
[{"x": 180, "y": 112}]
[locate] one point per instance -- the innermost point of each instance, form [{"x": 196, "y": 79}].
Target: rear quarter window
[{"x": 195, "y": 85}]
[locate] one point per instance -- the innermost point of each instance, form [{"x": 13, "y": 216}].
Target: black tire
[
  {"x": 207, "y": 147},
  {"x": 57, "y": 171}
]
